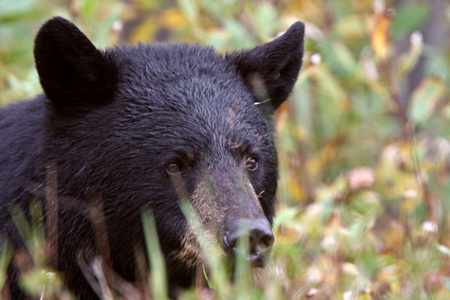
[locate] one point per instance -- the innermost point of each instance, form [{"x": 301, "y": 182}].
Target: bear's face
[{"x": 146, "y": 126}]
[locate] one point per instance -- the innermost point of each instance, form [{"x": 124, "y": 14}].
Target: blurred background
[{"x": 364, "y": 141}]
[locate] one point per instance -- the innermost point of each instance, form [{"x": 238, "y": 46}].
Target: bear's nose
[{"x": 260, "y": 237}]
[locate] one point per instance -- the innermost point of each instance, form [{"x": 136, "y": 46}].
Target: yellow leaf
[
  {"x": 172, "y": 18},
  {"x": 145, "y": 31},
  {"x": 380, "y": 37},
  {"x": 351, "y": 28},
  {"x": 295, "y": 189}
]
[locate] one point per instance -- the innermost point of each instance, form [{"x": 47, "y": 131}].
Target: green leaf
[
  {"x": 5, "y": 256},
  {"x": 409, "y": 59},
  {"x": 267, "y": 17},
  {"x": 190, "y": 9},
  {"x": 88, "y": 9},
  {"x": 14, "y": 7},
  {"x": 409, "y": 17},
  {"x": 286, "y": 216},
  {"x": 344, "y": 58},
  {"x": 240, "y": 36},
  {"x": 425, "y": 97}
]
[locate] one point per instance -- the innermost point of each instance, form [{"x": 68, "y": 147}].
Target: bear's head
[{"x": 146, "y": 126}]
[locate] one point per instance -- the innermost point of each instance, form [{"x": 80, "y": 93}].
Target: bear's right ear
[
  {"x": 271, "y": 69},
  {"x": 71, "y": 70}
]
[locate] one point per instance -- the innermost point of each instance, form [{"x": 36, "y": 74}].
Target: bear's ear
[
  {"x": 271, "y": 69},
  {"x": 71, "y": 70}
]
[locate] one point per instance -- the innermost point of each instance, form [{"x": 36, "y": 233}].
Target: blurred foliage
[
  {"x": 19, "y": 22},
  {"x": 364, "y": 191}
]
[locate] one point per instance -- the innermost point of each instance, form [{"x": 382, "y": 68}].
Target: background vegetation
[{"x": 364, "y": 142}]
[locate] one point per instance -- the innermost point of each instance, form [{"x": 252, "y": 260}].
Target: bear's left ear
[
  {"x": 71, "y": 70},
  {"x": 271, "y": 69}
]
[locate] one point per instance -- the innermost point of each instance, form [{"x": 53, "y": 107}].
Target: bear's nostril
[
  {"x": 265, "y": 242},
  {"x": 260, "y": 240}
]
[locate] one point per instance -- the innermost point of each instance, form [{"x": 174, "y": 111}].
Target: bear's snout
[{"x": 260, "y": 239}]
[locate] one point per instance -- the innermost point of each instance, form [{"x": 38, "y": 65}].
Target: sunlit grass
[
  {"x": 340, "y": 257},
  {"x": 158, "y": 276}
]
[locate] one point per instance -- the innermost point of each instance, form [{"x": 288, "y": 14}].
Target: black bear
[{"x": 136, "y": 128}]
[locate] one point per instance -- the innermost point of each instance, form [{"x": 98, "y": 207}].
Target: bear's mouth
[{"x": 256, "y": 259}]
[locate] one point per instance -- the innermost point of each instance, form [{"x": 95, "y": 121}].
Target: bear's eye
[
  {"x": 174, "y": 168},
  {"x": 251, "y": 163}
]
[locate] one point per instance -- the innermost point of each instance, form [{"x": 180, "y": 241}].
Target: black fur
[{"x": 113, "y": 120}]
